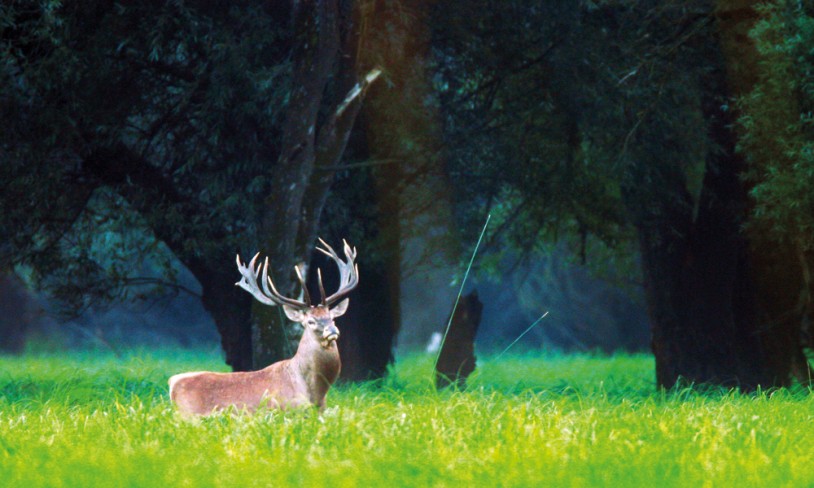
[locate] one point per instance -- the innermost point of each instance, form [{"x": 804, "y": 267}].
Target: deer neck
[{"x": 318, "y": 365}]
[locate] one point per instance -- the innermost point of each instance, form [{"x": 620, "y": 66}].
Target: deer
[{"x": 300, "y": 381}]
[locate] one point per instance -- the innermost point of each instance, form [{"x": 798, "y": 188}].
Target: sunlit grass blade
[
  {"x": 460, "y": 291},
  {"x": 522, "y": 334}
]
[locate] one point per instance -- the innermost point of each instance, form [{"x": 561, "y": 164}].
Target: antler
[
  {"x": 348, "y": 279},
  {"x": 348, "y": 272},
  {"x": 269, "y": 294}
]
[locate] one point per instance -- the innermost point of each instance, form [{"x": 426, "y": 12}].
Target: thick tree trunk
[
  {"x": 388, "y": 210},
  {"x": 403, "y": 129},
  {"x": 709, "y": 288},
  {"x": 779, "y": 270},
  {"x": 698, "y": 289},
  {"x": 273, "y": 337},
  {"x": 369, "y": 328},
  {"x": 369, "y": 333},
  {"x": 230, "y": 308},
  {"x": 315, "y": 42},
  {"x": 366, "y": 333},
  {"x": 784, "y": 307},
  {"x": 313, "y": 143}
]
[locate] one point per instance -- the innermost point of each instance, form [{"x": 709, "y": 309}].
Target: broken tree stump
[{"x": 457, "y": 358}]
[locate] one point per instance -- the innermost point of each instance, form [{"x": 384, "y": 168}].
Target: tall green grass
[{"x": 96, "y": 420}]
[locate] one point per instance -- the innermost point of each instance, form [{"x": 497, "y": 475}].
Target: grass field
[{"x": 88, "y": 420}]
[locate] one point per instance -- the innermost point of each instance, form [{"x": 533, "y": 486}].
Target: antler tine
[
  {"x": 276, "y": 295},
  {"x": 343, "y": 266},
  {"x": 329, "y": 252},
  {"x": 248, "y": 280},
  {"x": 302, "y": 284},
  {"x": 321, "y": 287},
  {"x": 266, "y": 296},
  {"x": 251, "y": 264},
  {"x": 348, "y": 271},
  {"x": 349, "y": 251},
  {"x": 265, "y": 279}
]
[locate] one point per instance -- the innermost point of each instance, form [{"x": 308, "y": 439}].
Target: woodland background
[{"x": 647, "y": 165}]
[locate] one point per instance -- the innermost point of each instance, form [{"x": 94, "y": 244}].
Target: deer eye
[{"x": 311, "y": 322}]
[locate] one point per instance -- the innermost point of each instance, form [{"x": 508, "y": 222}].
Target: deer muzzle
[{"x": 330, "y": 333}]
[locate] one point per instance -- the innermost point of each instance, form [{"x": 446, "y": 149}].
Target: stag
[{"x": 302, "y": 380}]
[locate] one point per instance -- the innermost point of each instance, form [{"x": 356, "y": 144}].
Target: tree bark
[
  {"x": 230, "y": 309},
  {"x": 715, "y": 297},
  {"x": 14, "y": 319},
  {"x": 456, "y": 360},
  {"x": 779, "y": 269},
  {"x": 403, "y": 129},
  {"x": 697, "y": 279},
  {"x": 313, "y": 144},
  {"x": 315, "y": 50}
]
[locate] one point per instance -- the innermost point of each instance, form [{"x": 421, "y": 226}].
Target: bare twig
[
  {"x": 521, "y": 335},
  {"x": 159, "y": 282},
  {"x": 461, "y": 290}
]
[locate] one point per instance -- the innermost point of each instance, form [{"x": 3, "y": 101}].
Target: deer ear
[
  {"x": 340, "y": 309},
  {"x": 293, "y": 314}
]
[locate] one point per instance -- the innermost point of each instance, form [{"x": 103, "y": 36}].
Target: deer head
[{"x": 317, "y": 319}]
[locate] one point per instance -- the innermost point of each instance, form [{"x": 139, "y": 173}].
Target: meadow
[{"x": 92, "y": 419}]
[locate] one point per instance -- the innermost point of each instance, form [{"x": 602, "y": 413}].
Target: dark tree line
[
  {"x": 611, "y": 117},
  {"x": 683, "y": 128}
]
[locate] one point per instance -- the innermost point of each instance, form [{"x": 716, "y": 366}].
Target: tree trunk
[
  {"x": 456, "y": 360},
  {"x": 315, "y": 42},
  {"x": 368, "y": 348},
  {"x": 369, "y": 328},
  {"x": 14, "y": 316},
  {"x": 697, "y": 282},
  {"x": 313, "y": 143},
  {"x": 403, "y": 129},
  {"x": 708, "y": 287},
  {"x": 230, "y": 308},
  {"x": 779, "y": 269}
]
